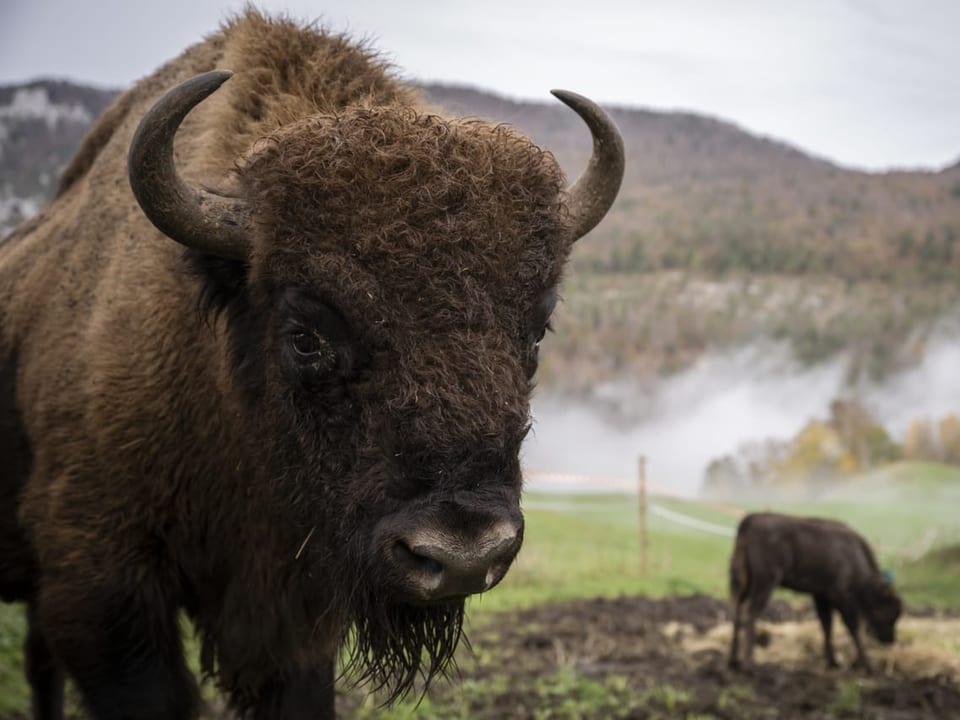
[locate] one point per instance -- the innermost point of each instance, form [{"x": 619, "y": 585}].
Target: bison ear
[{"x": 223, "y": 282}]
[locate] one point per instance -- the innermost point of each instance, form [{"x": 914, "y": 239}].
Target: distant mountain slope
[
  {"x": 719, "y": 238},
  {"x": 702, "y": 194},
  {"x": 41, "y": 124}
]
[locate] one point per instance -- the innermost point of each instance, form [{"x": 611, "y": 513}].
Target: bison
[
  {"x": 266, "y": 360},
  {"x": 824, "y": 558}
]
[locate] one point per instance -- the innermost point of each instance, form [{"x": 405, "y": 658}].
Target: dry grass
[{"x": 925, "y": 647}]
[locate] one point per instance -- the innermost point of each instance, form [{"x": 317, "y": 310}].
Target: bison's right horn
[
  {"x": 594, "y": 192},
  {"x": 200, "y": 219}
]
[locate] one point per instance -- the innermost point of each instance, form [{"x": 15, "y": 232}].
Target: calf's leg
[
  {"x": 734, "y": 661},
  {"x": 761, "y": 588},
  {"x": 851, "y": 618},
  {"x": 825, "y": 613}
]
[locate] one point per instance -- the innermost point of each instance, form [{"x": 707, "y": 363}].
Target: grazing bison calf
[
  {"x": 278, "y": 379},
  {"x": 822, "y": 557}
]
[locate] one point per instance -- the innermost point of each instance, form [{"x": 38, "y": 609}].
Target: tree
[
  {"x": 861, "y": 435},
  {"x": 949, "y": 428},
  {"x": 817, "y": 454},
  {"x": 920, "y": 442}
]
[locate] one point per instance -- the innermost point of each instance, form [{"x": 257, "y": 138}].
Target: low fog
[{"x": 713, "y": 408}]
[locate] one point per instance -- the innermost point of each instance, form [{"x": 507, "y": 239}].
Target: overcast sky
[{"x": 866, "y": 83}]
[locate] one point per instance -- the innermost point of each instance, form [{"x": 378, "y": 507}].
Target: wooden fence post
[{"x": 642, "y": 509}]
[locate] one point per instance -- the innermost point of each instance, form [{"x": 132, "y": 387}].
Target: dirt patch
[{"x": 638, "y": 658}]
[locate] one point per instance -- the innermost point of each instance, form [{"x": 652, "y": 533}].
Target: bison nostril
[
  {"x": 494, "y": 574},
  {"x": 416, "y": 561},
  {"x": 431, "y": 563}
]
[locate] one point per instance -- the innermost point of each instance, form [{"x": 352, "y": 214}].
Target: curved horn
[
  {"x": 200, "y": 219},
  {"x": 595, "y": 190}
]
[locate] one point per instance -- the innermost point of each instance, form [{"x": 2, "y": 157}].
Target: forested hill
[
  {"x": 703, "y": 194},
  {"x": 719, "y": 238}
]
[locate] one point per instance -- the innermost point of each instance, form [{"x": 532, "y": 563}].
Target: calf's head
[
  {"x": 386, "y": 277},
  {"x": 882, "y": 608}
]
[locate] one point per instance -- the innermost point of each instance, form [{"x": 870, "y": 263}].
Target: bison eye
[
  {"x": 540, "y": 324},
  {"x": 543, "y": 333},
  {"x": 533, "y": 359},
  {"x": 305, "y": 344}
]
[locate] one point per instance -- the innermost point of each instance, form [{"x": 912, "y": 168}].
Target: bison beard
[
  {"x": 389, "y": 645},
  {"x": 389, "y": 642}
]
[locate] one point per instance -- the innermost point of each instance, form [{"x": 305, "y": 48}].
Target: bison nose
[{"x": 439, "y": 565}]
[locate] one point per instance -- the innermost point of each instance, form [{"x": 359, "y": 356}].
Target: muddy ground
[{"x": 641, "y": 658}]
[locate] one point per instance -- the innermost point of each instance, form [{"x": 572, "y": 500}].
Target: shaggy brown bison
[
  {"x": 280, "y": 383},
  {"x": 824, "y": 558}
]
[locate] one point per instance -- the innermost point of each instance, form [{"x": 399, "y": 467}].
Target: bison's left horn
[
  {"x": 594, "y": 192},
  {"x": 197, "y": 218}
]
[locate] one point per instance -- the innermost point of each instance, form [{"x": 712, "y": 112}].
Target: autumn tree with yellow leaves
[{"x": 848, "y": 442}]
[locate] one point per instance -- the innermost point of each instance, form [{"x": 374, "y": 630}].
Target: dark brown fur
[
  {"x": 165, "y": 455},
  {"x": 824, "y": 558}
]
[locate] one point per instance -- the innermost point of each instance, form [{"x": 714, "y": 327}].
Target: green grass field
[{"x": 588, "y": 545}]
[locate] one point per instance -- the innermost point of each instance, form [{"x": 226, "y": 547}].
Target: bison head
[
  {"x": 882, "y": 608},
  {"x": 386, "y": 277}
]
